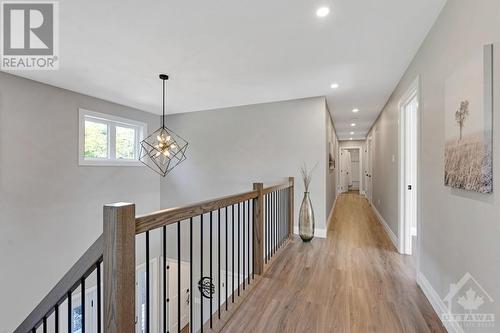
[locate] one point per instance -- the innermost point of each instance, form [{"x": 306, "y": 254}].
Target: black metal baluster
[
  {"x": 232, "y": 246},
  {"x": 270, "y": 225},
  {"x": 70, "y": 313},
  {"x": 279, "y": 219},
  {"x": 211, "y": 277},
  {"x": 201, "y": 272},
  {"x": 56, "y": 319},
  {"x": 191, "y": 275},
  {"x": 276, "y": 221},
  {"x": 253, "y": 237},
  {"x": 273, "y": 227},
  {"x": 249, "y": 240},
  {"x": 239, "y": 212},
  {"x": 164, "y": 252},
  {"x": 147, "y": 282},
  {"x": 243, "y": 238},
  {"x": 179, "y": 328},
  {"x": 266, "y": 226},
  {"x": 44, "y": 323},
  {"x": 286, "y": 215},
  {"x": 281, "y": 216},
  {"x": 226, "y": 259},
  {"x": 218, "y": 260},
  {"x": 82, "y": 299},
  {"x": 98, "y": 273}
]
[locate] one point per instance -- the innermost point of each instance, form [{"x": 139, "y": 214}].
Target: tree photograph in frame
[{"x": 468, "y": 124}]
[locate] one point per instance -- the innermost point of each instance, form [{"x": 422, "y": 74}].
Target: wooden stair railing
[{"x": 260, "y": 221}]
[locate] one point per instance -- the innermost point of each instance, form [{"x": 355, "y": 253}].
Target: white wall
[
  {"x": 232, "y": 148},
  {"x": 51, "y": 209},
  {"x": 331, "y": 174},
  {"x": 459, "y": 230}
]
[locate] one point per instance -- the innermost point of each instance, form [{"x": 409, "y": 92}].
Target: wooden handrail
[
  {"x": 82, "y": 268},
  {"x": 173, "y": 215},
  {"x": 278, "y": 187}
]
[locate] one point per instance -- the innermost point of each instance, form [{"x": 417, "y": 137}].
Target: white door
[
  {"x": 368, "y": 171},
  {"x": 409, "y": 168},
  {"x": 140, "y": 297},
  {"x": 344, "y": 172},
  {"x": 172, "y": 294},
  {"x": 408, "y": 172}
]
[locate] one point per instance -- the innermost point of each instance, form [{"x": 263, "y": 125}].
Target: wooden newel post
[
  {"x": 258, "y": 225},
  {"x": 290, "y": 206},
  {"x": 119, "y": 268}
]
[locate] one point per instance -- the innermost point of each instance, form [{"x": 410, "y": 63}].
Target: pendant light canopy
[{"x": 163, "y": 150}]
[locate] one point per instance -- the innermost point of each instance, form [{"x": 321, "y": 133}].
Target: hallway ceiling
[{"x": 226, "y": 53}]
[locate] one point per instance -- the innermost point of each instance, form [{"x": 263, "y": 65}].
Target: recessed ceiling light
[
  {"x": 352, "y": 133},
  {"x": 355, "y": 110},
  {"x": 322, "y": 11},
  {"x": 334, "y": 85},
  {"x": 353, "y": 124}
]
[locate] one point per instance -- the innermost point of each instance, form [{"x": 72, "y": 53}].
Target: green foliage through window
[
  {"x": 125, "y": 143},
  {"x": 96, "y": 140}
]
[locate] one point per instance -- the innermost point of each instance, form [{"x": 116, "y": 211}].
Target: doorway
[
  {"x": 351, "y": 169},
  {"x": 368, "y": 170},
  {"x": 408, "y": 169}
]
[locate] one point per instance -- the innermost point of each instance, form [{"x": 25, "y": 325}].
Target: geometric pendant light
[{"x": 163, "y": 150}]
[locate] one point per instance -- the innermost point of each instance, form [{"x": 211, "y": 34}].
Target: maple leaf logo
[{"x": 470, "y": 301}]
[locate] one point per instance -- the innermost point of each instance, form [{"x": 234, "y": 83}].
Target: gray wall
[
  {"x": 331, "y": 174},
  {"x": 51, "y": 209},
  {"x": 232, "y": 148},
  {"x": 460, "y": 230}
]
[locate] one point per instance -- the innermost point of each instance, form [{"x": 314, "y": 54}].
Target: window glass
[
  {"x": 125, "y": 143},
  {"x": 96, "y": 140}
]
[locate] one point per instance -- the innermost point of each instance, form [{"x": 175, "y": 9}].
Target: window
[{"x": 109, "y": 140}]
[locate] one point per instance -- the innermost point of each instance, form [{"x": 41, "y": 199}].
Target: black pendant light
[{"x": 163, "y": 150}]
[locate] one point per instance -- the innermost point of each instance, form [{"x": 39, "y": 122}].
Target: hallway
[{"x": 353, "y": 281}]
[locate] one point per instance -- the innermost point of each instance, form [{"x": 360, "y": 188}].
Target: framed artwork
[{"x": 468, "y": 124}]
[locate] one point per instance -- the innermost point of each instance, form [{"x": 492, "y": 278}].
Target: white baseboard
[
  {"x": 437, "y": 303},
  {"x": 329, "y": 218},
  {"x": 320, "y": 233},
  {"x": 388, "y": 231}
]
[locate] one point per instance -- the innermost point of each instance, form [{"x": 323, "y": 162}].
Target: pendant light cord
[{"x": 164, "y": 116}]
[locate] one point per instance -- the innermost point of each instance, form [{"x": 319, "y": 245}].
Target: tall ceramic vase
[{"x": 306, "y": 219}]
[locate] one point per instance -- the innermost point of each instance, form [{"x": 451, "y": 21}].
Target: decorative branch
[{"x": 307, "y": 175}]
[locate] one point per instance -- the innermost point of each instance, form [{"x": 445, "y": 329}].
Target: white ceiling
[{"x": 225, "y": 53}]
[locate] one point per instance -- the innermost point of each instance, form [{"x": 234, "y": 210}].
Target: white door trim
[
  {"x": 361, "y": 182},
  {"x": 405, "y": 234}
]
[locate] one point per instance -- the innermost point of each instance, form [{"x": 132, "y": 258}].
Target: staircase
[{"x": 176, "y": 270}]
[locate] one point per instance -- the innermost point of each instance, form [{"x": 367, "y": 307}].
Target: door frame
[
  {"x": 405, "y": 232},
  {"x": 361, "y": 182},
  {"x": 369, "y": 169}
]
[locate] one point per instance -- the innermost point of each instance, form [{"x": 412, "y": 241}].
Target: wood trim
[
  {"x": 119, "y": 268},
  {"x": 278, "y": 187},
  {"x": 258, "y": 229},
  {"x": 174, "y": 215},
  {"x": 82, "y": 268},
  {"x": 291, "y": 201}
]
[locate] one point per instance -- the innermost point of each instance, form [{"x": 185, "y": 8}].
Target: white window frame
[{"x": 112, "y": 122}]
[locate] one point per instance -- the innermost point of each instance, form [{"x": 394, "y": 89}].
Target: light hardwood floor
[{"x": 353, "y": 281}]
